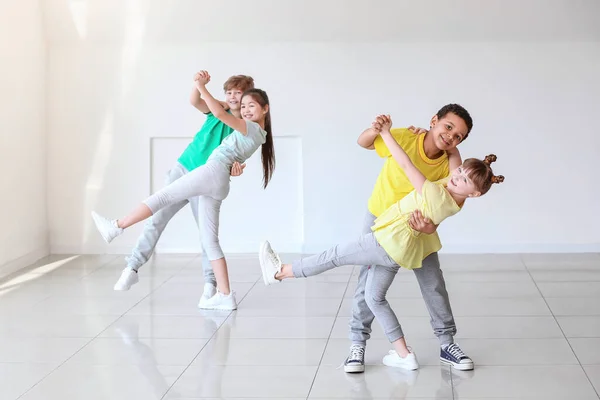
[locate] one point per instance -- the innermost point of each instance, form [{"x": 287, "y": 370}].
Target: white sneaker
[
  {"x": 270, "y": 263},
  {"x": 409, "y": 362},
  {"x": 209, "y": 291},
  {"x": 219, "y": 301},
  {"x": 107, "y": 228},
  {"x": 129, "y": 277}
]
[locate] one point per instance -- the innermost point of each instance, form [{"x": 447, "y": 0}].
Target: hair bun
[
  {"x": 490, "y": 159},
  {"x": 497, "y": 179}
]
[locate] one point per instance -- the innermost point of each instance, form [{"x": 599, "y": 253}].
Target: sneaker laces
[
  {"x": 357, "y": 353},
  {"x": 456, "y": 351},
  {"x": 274, "y": 258}
]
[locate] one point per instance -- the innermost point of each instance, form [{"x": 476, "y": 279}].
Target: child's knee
[
  {"x": 374, "y": 299},
  {"x": 212, "y": 248}
]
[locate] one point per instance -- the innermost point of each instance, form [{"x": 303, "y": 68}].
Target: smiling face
[
  {"x": 252, "y": 110},
  {"x": 234, "y": 88},
  {"x": 233, "y": 98},
  {"x": 461, "y": 184},
  {"x": 448, "y": 131}
]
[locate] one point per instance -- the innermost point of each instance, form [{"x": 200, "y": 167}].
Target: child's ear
[
  {"x": 475, "y": 194},
  {"x": 433, "y": 122}
]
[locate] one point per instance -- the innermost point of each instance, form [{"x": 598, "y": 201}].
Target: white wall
[
  {"x": 23, "y": 237},
  {"x": 119, "y": 77}
]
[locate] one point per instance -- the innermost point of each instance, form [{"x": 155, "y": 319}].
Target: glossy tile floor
[{"x": 530, "y": 322}]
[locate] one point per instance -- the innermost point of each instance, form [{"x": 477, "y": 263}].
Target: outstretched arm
[
  {"x": 215, "y": 107},
  {"x": 415, "y": 176}
]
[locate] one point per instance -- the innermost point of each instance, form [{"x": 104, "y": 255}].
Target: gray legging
[
  {"x": 364, "y": 251},
  {"x": 209, "y": 181},
  {"x": 433, "y": 288}
]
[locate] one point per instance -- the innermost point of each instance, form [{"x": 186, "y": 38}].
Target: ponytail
[
  {"x": 268, "y": 152},
  {"x": 268, "y": 149}
]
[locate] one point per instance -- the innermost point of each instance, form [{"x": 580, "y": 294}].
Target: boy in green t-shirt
[{"x": 209, "y": 137}]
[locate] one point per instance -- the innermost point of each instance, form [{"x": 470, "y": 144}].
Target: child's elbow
[
  {"x": 364, "y": 143},
  {"x": 219, "y": 112}
]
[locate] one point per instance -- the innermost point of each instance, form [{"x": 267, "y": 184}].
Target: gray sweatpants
[
  {"x": 365, "y": 250},
  {"x": 206, "y": 213},
  {"x": 433, "y": 289}
]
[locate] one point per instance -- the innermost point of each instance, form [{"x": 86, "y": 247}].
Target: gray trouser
[
  {"x": 433, "y": 289},
  {"x": 211, "y": 183},
  {"x": 365, "y": 250},
  {"x": 155, "y": 225}
]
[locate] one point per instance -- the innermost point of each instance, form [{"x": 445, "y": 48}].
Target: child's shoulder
[
  {"x": 435, "y": 189},
  {"x": 404, "y": 135},
  {"x": 254, "y": 126},
  {"x": 400, "y": 132},
  {"x": 254, "y": 129},
  {"x": 443, "y": 181}
]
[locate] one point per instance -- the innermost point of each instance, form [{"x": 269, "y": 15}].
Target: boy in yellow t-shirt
[
  {"x": 393, "y": 242},
  {"x": 429, "y": 153}
]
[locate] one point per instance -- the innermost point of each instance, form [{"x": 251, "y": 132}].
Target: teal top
[{"x": 210, "y": 137}]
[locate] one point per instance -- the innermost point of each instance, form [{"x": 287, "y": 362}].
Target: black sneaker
[
  {"x": 454, "y": 356},
  {"x": 356, "y": 360}
]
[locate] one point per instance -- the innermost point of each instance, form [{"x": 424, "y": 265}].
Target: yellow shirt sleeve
[
  {"x": 381, "y": 148},
  {"x": 439, "y": 203},
  {"x": 443, "y": 181}
]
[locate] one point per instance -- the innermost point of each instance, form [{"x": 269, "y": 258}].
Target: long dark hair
[{"x": 268, "y": 150}]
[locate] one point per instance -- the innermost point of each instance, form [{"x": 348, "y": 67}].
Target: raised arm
[
  {"x": 367, "y": 138},
  {"x": 415, "y": 176},
  {"x": 215, "y": 106},
  {"x": 369, "y": 135},
  {"x": 199, "y": 103}
]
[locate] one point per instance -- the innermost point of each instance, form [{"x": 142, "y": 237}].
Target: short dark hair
[{"x": 460, "y": 112}]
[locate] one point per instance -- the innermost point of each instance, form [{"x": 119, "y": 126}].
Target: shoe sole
[
  {"x": 404, "y": 367},
  {"x": 263, "y": 245},
  {"x": 460, "y": 367},
  {"x": 216, "y": 308},
  {"x": 97, "y": 222},
  {"x": 125, "y": 288},
  {"x": 353, "y": 369}
]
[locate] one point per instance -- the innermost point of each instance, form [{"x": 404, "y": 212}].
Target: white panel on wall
[{"x": 249, "y": 214}]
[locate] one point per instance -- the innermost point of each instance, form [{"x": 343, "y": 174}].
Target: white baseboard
[
  {"x": 239, "y": 248},
  {"x": 297, "y": 248},
  {"x": 525, "y": 248},
  {"x": 492, "y": 248},
  {"x": 24, "y": 261}
]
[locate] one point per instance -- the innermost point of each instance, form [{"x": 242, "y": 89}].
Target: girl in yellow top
[{"x": 393, "y": 242}]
